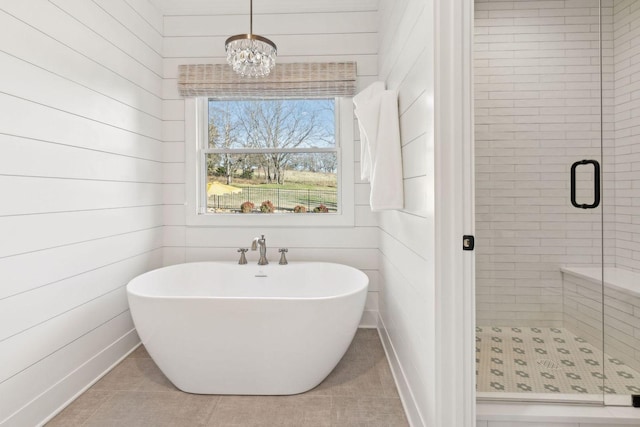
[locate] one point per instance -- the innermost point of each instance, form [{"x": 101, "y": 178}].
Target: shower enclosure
[{"x": 557, "y": 160}]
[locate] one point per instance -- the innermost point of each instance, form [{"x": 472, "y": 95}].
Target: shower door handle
[{"x": 596, "y": 184}]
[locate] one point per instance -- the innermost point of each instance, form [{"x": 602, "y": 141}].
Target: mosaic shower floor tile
[{"x": 546, "y": 360}]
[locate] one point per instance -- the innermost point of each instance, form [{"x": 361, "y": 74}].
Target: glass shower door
[{"x": 539, "y": 201}]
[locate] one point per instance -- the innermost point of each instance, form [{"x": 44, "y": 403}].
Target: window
[
  {"x": 271, "y": 156},
  {"x": 269, "y": 162}
]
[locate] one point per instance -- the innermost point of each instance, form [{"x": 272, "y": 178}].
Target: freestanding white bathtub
[{"x": 224, "y": 328}]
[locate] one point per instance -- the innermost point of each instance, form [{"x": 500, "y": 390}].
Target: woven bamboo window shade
[{"x": 297, "y": 80}]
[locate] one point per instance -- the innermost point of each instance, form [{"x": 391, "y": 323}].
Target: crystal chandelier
[{"x": 251, "y": 55}]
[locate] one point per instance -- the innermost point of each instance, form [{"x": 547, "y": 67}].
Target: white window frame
[{"x": 196, "y": 122}]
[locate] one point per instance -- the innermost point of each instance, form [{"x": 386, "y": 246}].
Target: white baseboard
[
  {"x": 53, "y": 400},
  {"x": 406, "y": 396}
]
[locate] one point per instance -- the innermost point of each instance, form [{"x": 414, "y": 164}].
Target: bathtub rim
[{"x": 360, "y": 288}]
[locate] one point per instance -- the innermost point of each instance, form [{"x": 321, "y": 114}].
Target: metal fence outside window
[{"x": 282, "y": 199}]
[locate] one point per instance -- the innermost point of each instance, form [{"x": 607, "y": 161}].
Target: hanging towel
[
  {"x": 367, "y": 113},
  {"x": 380, "y": 153}
]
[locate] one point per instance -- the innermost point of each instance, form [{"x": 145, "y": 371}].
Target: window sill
[{"x": 345, "y": 219}]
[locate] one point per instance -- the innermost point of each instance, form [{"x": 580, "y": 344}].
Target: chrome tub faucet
[
  {"x": 283, "y": 257},
  {"x": 262, "y": 242},
  {"x": 243, "y": 258}
]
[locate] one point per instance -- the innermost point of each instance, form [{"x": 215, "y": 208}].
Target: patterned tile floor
[{"x": 546, "y": 360}]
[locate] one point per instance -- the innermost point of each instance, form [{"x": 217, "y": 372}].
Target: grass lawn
[{"x": 293, "y": 180}]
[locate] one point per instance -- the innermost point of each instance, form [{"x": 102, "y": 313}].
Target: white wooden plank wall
[
  {"x": 301, "y": 35},
  {"x": 81, "y": 174},
  {"x": 407, "y": 300},
  {"x": 225, "y": 7}
]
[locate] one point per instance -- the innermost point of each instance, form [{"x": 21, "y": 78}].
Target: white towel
[
  {"x": 367, "y": 111},
  {"x": 380, "y": 155}
]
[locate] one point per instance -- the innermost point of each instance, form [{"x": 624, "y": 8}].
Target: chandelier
[{"x": 251, "y": 55}]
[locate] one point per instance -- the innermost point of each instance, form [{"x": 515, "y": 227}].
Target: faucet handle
[
  {"x": 243, "y": 258},
  {"x": 283, "y": 258}
]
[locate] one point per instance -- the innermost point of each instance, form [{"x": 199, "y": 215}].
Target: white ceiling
[{"x": 226, "y": 7}]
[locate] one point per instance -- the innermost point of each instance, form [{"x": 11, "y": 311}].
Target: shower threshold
[{"x": 541, "y": 398}]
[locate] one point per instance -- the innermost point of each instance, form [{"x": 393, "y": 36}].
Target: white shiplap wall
[
  {"x": 81, "y": 178},
  {"x": 626, "y": 30},
  {"x": 407, "y": 293},
  {"x": 301, "y": 35},
  {"x": 537, "y": 110}
]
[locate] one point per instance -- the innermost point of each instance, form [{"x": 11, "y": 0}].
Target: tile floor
[
  {"x": 359, "y": 392},
  {"x": 547, "y": 360}
]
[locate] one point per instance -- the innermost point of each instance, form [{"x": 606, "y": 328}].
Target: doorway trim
[{"x": 454, "y": 213}]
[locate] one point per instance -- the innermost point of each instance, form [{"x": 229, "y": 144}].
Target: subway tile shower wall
[
  {"x": 537, "y": 110},
  {"x": 626, "y": 48}
]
